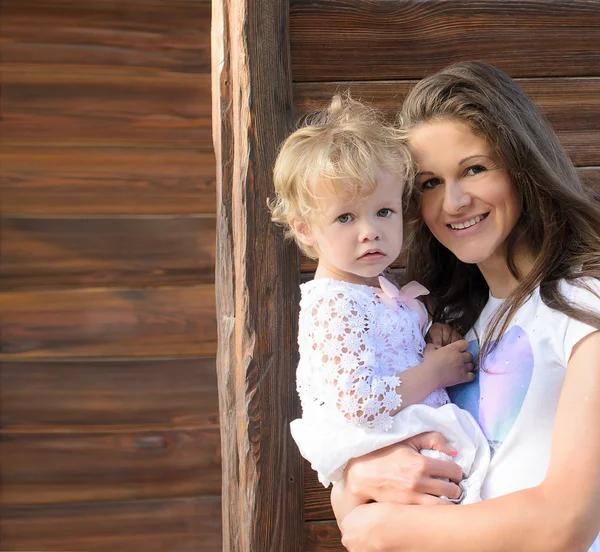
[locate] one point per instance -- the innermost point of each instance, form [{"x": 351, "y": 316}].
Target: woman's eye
[
  {"x": 384, "y": 213},
  {"x": 475, "y": 169},
  {"x": 431, "y": 183},
  {"x": 345, "y": 218}
]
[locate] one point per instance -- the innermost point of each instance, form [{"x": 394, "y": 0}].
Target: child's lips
[{"x": 372, "y": 255}]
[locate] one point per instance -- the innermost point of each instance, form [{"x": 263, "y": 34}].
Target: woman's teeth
[{"x": 467, "y": 224}]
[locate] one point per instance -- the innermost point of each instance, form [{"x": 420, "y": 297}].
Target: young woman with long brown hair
[{"x": 507, "y": 239}]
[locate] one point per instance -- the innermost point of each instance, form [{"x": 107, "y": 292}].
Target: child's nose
[{"x": 369, "y": 232}]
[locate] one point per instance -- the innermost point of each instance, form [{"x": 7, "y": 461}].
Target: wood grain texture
[
  {"x": 108, "y": 322},
  {"x": 148, "y": 391},
  {"x": 317, "y": 505},
  {"x": 66, "y": 252},
  {"x": 50, "y": 468},
  {"x": 152, "y": 35},
  {"x": 591, "y": 177},
  {"x": 378, "y": 39},
  {"x": 323, "y": 536},
  {"x": 164, "y": 525},
  {"x": 571, "y": 105},
  {"x": 68, "y": 179},
  {"x": 102, "y": 106},
  {"x": 258, "y": 277}
]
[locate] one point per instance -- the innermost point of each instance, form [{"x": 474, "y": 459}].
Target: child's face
[{"x": 357, "y": 238}]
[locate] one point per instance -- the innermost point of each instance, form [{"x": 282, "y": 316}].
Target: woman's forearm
[{"x": 524, "y": 521}]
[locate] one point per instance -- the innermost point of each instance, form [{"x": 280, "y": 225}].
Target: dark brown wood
[
  {"x": 317, "y": 505},
  {"x": 108, "y": 322},
  {"x": 258, "y": 278},
  {"x": 53, "y": 180},
  {"x": 379, "y": 39},
  {"x": 571, "y": 105},
  {"x": 148, "y": 391},
  {"x": 113, "y": 464},
  {"x": 591, "y": 177},
  {"x": 323, "y": 536},
  {"x": 164, "y": 525},
  {"x": 104, "y": 107},
  {"x": 65, "y": 252},
  {"x": 152, "y": 35}
]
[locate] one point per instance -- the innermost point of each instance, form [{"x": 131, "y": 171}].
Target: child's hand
[
  {"x": 449, "y": 365},
  {"x": 441, "y": 334}
]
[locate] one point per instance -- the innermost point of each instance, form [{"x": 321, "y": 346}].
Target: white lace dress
[{"x": 354, "y": 345}]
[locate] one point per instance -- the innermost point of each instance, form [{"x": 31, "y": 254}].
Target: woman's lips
[{"x": 467, "y": 226}]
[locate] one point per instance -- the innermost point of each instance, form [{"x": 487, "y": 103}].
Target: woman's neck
[{"x": 498, "y": 276}]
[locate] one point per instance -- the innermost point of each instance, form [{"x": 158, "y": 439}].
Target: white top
[
  {"x": 515, "y": 395},
  {"x": 353, "y": 347},
  {"x": 354, "y": 341}
]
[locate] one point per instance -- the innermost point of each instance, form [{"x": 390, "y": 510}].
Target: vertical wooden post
[{"x": 256, "y": 281}]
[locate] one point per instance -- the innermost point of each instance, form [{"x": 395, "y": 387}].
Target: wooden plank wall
[
  {"x": 380, "y": 48},
  {"x": 109, "y": 436}
]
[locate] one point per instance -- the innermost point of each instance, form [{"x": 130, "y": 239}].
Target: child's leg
[{"x": 342, "y": 506}]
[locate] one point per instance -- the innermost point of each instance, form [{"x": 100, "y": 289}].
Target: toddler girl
[{"x": 365, "y": 378}]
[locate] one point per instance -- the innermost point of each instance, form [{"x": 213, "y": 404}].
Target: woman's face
[{"x": 469, "y": 202}]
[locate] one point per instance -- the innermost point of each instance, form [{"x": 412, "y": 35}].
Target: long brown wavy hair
[{"x": 560, "y": 219}]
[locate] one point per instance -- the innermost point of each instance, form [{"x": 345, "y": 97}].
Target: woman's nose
[{"x": 455, "y": 198}]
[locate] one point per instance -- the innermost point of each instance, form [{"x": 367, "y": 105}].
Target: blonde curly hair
[{"x": 342, "y": 150}]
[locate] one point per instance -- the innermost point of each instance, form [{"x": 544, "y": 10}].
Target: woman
[{"x": 508, "y": 241}]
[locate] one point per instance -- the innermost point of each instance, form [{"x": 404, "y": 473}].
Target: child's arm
[
  {"x": 441, "y": 334},
  {"x": 366, "y": 395},
  {"x": 443, "y": 367}
]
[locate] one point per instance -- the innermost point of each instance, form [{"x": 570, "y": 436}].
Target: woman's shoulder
[{"x": 583, "y": 292}]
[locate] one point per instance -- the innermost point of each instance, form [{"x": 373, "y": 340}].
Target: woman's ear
[{"x": 302, "y": 231}]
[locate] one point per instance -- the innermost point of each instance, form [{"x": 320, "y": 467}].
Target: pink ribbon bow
[{"x": 391, "y": 295}]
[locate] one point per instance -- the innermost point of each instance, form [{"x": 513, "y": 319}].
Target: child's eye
[
  {"x": 345, "y": 218},
  {"x": 384, "y": 213},
  {"x": 431, "y": 183},
  {"x": 475, "y": 169}
]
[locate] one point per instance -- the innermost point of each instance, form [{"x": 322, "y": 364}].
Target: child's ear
[{"x": 303, "y": 232}]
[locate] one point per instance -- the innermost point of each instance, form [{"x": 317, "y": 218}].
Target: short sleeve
[
  {"x": 344, "y": 343},
  {"x": 587, "y": 298}
]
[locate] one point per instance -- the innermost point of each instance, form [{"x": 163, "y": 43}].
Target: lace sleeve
[{"x": 343, "y": 336}]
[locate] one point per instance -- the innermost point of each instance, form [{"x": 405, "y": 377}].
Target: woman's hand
[
  {"x": 400, "y": 474},
  {"x": 441, "y": 335}
]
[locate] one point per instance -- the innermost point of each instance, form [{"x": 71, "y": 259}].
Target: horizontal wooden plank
[
  {"x": 42, "y": 468},
  {"x": 378, "y": 39},
  {"x": 167, "y": 525},
  {"x": 571, "y": 105},
  {"x": 317, "y": 505},
  {"x": 150, "y": 35},
  {"x": 149, "y": 391},
  {"x": 102, "y": 322},
  {"x": 61, "y": 252},
  {"x": 591, "y": 177},
  {"x": 100, "y": 106},
  {"x": 67, "y": 179},
  {"x": 323, "y": 536}
]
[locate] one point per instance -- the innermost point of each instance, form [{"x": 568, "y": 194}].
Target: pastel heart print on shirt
[{"x": 497, "y": 394}]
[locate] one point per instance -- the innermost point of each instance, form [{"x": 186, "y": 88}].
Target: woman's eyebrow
[
  {"x": 465, "y": 159},
  {"x": 421, "y": 173}
]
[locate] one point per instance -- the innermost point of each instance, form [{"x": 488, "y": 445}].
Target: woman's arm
[{"x": 561, "y": 514}]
